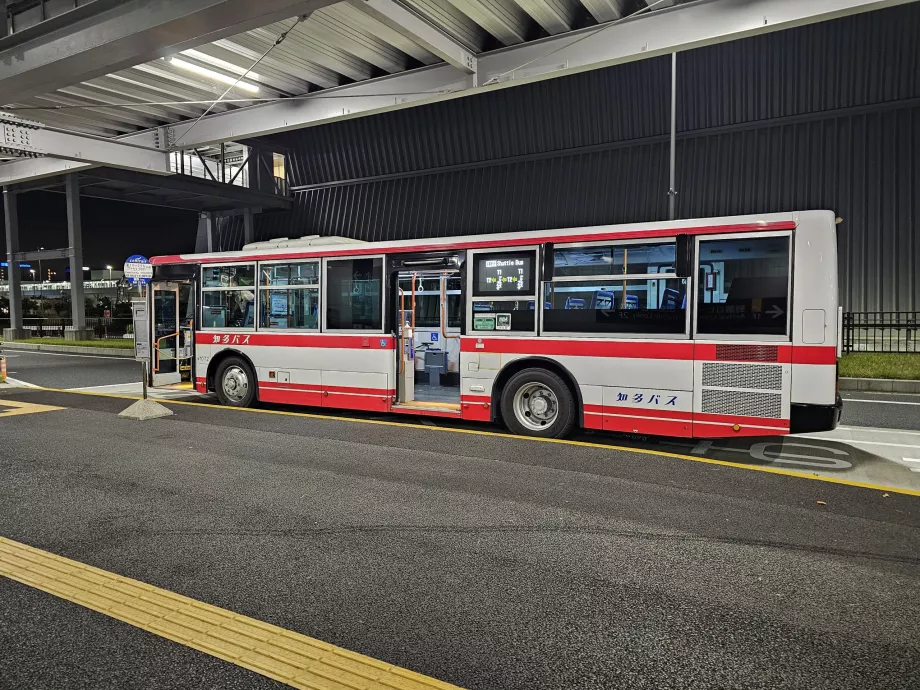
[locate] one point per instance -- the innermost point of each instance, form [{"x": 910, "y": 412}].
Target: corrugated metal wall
[{"x": 824, "y": 116}]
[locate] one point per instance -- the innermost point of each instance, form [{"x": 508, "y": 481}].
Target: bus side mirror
[
  {"x": 684, "y": 256},
  {"x": 549, "y": 262}
]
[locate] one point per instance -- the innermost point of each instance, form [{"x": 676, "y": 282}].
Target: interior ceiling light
[{"x": 211, "y": 74}]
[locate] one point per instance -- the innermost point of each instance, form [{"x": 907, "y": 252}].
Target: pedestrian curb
[
  {"x": 70, "y": 349},
  {"x": 880, "y": 385}
]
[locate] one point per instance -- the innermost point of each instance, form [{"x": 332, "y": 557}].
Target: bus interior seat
[
  {"x": 602, "y": 299},
  {"x": 670, "y": 298},
  {"x": 574, "y": 303}
]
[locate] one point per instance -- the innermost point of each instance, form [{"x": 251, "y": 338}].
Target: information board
[
  {"x": 141, "y": 330},
  {"x": 138, "y": 270},
  {"x": 503, "y": 272}
]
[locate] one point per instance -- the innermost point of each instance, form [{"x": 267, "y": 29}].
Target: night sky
[{"x": 112, "y": 230}]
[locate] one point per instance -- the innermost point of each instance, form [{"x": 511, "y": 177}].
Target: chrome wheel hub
[
  {"x": 535, "y": 406},
  {"x": 235, "y": 383}
]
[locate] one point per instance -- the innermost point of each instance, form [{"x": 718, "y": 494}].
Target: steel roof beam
[
  {"x": 109, "y": 35},
  {"x": 69, "y": 152},
  {"x": 676, "y": 29},
  {"x": 408, "y": 23}
]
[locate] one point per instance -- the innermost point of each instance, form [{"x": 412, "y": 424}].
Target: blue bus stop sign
[{"x": 138, "y": 270}]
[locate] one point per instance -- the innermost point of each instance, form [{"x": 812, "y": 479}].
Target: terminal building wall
[{"x": 824, "y": 116}]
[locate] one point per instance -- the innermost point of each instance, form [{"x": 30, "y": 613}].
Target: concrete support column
[
  {"x": 11, "y": 216},
  {"x": 209, "y": 223},
  {"x": 78, "y": 330},
  {"x": 248, "y": 226}
]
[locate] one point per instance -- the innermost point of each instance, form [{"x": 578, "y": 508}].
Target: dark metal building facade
[{"x": 823, "y": 116}]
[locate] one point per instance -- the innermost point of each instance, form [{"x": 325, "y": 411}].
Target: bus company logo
[
  {"x": 647, "y": 398},
  {"x": 232, "y": 339}
]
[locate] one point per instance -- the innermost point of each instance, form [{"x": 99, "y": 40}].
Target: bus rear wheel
[
  {"x": 536, "y": 402},
  {"x": 235, "y": 383}
]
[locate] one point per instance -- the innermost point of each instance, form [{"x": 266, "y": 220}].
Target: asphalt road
[
  {"x": 485, "y": 561},
  {"x": 881, "y": 410},
  {"x": 53, "y": 370}
]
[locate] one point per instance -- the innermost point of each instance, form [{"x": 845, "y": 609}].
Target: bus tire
[
  {"x": 235, "y": 383},
  {"x": 537, "y": 402}
]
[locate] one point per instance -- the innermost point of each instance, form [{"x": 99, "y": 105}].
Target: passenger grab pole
[{"x": 672, "y": 183}]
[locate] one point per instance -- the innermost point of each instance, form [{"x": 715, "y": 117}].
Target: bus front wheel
[
  {"x": 536, "y": 402},
  {"x": 236, "y": 383}
]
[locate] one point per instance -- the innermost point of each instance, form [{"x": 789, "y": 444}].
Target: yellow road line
[
  {"x": 499, "y": 434},
  {"x": 11, "y": 408},
  {"x": 286, "y": 656}
]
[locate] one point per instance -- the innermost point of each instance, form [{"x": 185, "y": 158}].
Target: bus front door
[{"x": 172, "y": 325}]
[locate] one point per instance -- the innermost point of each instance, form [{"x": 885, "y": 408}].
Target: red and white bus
[{"x": 696, "y": 328}]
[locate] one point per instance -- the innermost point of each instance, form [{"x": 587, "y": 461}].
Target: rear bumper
[{"x": 806, "y": 419}]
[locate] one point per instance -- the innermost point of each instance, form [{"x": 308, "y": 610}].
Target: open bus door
[
  {"x": 422, "y": 287},
  {"x": 172, "y": 355}
]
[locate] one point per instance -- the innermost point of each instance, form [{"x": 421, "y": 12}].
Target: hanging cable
[{"x": 274, "y": 45}]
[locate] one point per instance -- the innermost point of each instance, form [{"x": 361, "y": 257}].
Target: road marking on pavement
[
  {"x": 858, "y": 443},
  {"x": 11, "y": 408},
  {"x": 873, "y": 430},
  {"x": 498, "y": 434},
  {"x": 913, "y": 468},
  {"x": 284, "y": 655},
  {"x": 107, "y": 385},
  {"x": 882, "y": 402}
]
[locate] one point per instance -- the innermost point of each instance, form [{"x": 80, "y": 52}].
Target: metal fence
[
  {"x": 103, "y": 328},
  {"x": 881, "y": 331}
]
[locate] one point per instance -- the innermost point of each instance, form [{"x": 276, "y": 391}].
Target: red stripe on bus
[
  {"x": 479, "y": 399},
  {"x": 706, "y": 352},
  {"x": 657, "y": 427},
  {"x": 723, "y": 430},
  {"x": 673, "y": 415},
  {"x": 336, "y": 341},
  {"x": 371, "y": 403},
  {"x": 805, "y": 354},
  {"x": 579, "y": 348},
  {"x": 319, "y": 388},
  {"x": 741, "y": 420},
  {"x": 369, "y": 250},
  {"x": 290, "y": 396}
]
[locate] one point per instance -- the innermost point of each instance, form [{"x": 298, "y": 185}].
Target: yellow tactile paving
[{"x": 292, "y": 658}]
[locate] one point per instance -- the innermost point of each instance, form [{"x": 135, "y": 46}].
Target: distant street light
[{"x": 109, "y": 268}]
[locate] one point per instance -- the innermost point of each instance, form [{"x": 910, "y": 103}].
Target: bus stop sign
[{"x": 138, "y": 270}]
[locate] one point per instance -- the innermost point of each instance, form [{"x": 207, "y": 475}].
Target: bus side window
[
  {"x": 743, "y": 286},
  {"x": 354, "y": 294}
]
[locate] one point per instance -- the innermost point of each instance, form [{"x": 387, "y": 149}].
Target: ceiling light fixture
[
  {"x": 211, "y": 74},
  {"x": 219, "y": 64}
]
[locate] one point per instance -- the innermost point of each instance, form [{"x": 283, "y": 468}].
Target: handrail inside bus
[
  {"x": 156, "y": 349},
  {"x": 444, "y": 311},
  {"x": 402, "y": 329}
]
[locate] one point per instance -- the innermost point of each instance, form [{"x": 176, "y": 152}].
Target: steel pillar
[
  {"x": 11, "y": 216},
  {"x": 209, "y": 230},
  {"x": 672, "y": 179},
  {"x": 78, "y": 330},
  {"x": 248, "y": 225}
]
